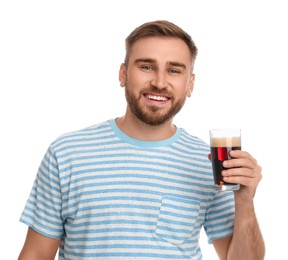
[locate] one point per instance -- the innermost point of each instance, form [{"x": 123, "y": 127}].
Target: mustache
[{"x": 154, "y": 89}]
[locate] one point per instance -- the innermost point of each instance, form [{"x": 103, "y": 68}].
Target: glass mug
[{"x": 222, "y": 141}]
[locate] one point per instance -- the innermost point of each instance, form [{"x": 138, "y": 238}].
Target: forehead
[{"x": 161, "y": 49}]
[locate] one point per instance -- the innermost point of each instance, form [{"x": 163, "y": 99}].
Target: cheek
[
  {"x": 183, "y": 89},
  {"x": 139, "y": 80}
]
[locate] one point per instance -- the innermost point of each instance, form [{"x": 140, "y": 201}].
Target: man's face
[{"x": 157, "y": 79}]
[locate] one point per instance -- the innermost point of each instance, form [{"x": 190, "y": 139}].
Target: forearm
[
  {"x": 247, "y": 242},
  {"x": 37, "y": 247},
  {"x": 34, "y": 256}
]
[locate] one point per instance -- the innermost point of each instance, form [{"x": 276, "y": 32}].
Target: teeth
[{"x": 160, "y": 98}]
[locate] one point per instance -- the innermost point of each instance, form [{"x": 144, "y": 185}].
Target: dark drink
[{"x": 218, "y": 155}]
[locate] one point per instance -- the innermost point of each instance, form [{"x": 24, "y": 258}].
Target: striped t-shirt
[{"x": 109, "y": 196}]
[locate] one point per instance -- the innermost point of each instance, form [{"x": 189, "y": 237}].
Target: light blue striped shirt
[{"x": 109, "y": 196}]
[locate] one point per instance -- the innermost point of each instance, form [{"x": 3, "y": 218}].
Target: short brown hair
[{"x": 159, "y": 28}]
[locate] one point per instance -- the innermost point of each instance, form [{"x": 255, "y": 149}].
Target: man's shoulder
[
  {"x": 193, "y": 139},
  {"x": 86, "y": 133}
]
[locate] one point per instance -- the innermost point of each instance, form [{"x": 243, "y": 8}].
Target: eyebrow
[
  {"x": 177, "y": 64},
  {"x": 171, "y": 63}
]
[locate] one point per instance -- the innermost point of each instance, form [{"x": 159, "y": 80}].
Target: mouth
[{"x": 156, "y": 98}]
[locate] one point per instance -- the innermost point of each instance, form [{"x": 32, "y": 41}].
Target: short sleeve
[
  {"x": 42, "y": 211},
  {"x": 219, "y": 220}
]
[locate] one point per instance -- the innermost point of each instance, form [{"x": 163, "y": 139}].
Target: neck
[{"x": 136, "y": 129}]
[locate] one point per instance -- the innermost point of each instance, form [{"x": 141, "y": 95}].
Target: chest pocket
[{"x": 177, "y": 218}]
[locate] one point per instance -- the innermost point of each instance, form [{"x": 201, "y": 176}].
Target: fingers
[
  {"x": 240, "y": 159},
  {"x": 209, "y": 156},
  {"x": 242, "y": 176},
  {"x": 242, "y": 169}
]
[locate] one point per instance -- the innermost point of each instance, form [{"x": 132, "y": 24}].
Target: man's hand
[{"x": 243, "y": 169}]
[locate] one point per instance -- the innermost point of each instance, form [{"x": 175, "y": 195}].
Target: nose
[{"x": 160, "y": 80}]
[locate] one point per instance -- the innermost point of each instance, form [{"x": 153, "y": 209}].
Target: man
[{"x": 138, "y": 187}]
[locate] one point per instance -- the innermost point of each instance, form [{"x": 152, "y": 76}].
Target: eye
[
  {"x": 174, "y": 71},
  {"x": 147, "y": 67}
]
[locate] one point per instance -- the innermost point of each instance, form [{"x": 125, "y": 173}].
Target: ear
[
  {"x": 191, "y": 85},
  {"x": 122, "y": 75}
]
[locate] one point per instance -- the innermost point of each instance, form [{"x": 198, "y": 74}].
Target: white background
[{"x": 59, "y": 64}]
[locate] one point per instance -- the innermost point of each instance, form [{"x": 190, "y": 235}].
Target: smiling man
[
  {"x": 137, "y": 186},
  {"x": 156, "y": 85}
]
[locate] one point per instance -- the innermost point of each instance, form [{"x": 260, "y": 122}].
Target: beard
[{"x": 152, "y": 115}]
